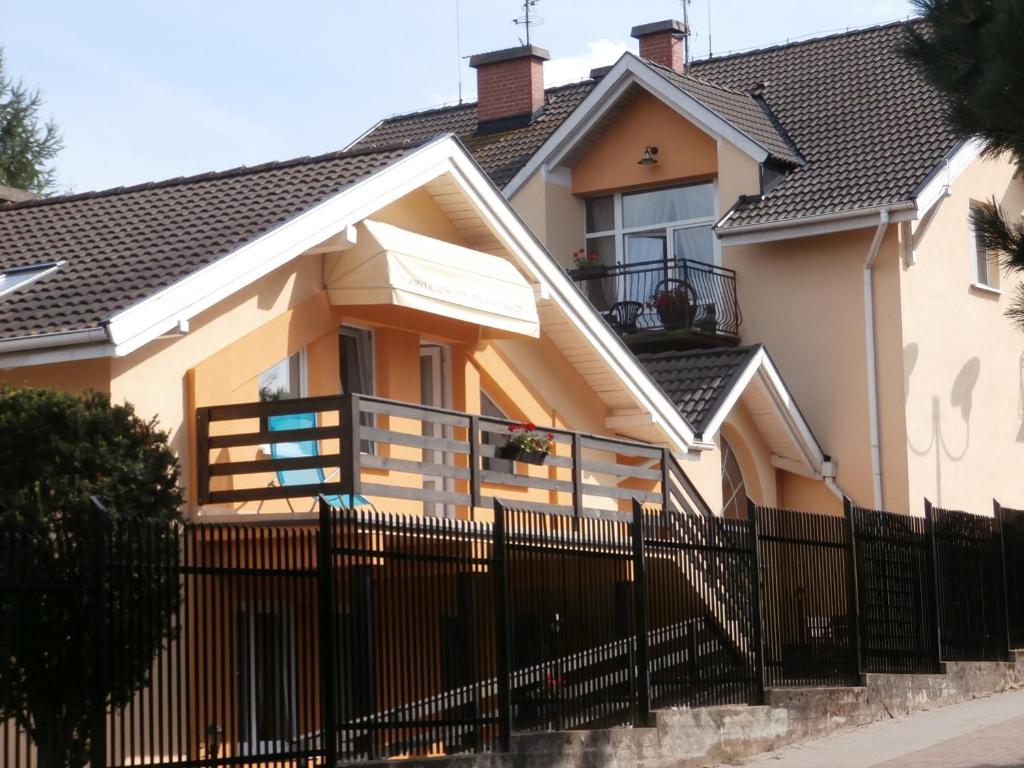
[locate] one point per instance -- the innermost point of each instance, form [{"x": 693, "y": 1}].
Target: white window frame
[
  {"x": 989, "y": 282},
  {"x": 669, "y": 227},
  {"x": 249, "y": 744}
]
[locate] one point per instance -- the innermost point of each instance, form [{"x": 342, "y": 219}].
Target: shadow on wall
[{"x": 961, "y": 398}]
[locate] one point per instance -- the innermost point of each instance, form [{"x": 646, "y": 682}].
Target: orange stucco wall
[
  {"x": 962, "y": 358},
  {"x": 76, "y": 376},
  {"x": 610, "y": 163}
]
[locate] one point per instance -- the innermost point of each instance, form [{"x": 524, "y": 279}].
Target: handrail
[
  {"x": 454, "y": 448},
  {"x": 633, "y": 297}
]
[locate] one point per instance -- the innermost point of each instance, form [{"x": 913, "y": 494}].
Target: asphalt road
[{"x": 984, "y": 733}]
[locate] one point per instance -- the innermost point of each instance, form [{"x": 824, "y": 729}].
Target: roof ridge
[
  {"x": 467, "y": 104},
  {"x": 808, "y": 41},
  {"x": 241, "y": 170},
  {"x": 695, "y": 78}
]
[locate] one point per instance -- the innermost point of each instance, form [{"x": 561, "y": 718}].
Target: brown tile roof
[
  {"x": 501, "y": 154},
  {"x": 698, "y": 381},
  {"x": 868, "y": 127},
  {"x": 747, "y": 113},
  {"x": 123, "y": 245}
]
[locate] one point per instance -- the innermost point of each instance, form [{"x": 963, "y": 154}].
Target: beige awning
[{"x": 390, "y": 265}]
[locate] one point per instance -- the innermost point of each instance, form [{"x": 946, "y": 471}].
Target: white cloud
[{"x": 600, "y": 53}]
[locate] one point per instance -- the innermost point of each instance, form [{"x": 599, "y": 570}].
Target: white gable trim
[
  {"x": 159, "y": 313},
  {"x": 936, "y": 186},
  {"x": 626, "y": 71},
  {"x": 518, "y": 238},
  {"x": 761, "y": 372}
]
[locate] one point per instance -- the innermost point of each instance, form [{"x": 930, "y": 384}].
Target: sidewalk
[{"x": 984, "y": 733}]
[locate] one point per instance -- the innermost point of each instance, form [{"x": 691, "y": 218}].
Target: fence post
[
  {"x": 503, "y": 640},
  {"x": 853, "y": 586},
  {"x": 643, "y": 681},
  {"x": 997, "y": 513},
  {"x": 97, "y": 645},
  {"x": 328, "y": 642},
  {"x": 933, "y": 574},
  {"x": 755, "y": 559}
]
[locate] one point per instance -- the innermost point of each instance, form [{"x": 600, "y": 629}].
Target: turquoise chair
[{"x": 301, "y": 449}]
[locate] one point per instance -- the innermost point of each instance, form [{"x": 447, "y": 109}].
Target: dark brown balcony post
[
  {"x": 577, "y": 474},
  {"x": 666, "y": 482},
  {"x": 349, "y": 446},
  {"x": 503, "y": 627},
  {"x": 202, "y": 455},
  {"x": 474, "y": 460},
  {"x": 643, "y": 654}
]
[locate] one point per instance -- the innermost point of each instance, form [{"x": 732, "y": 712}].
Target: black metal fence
[
  {"x": 969, "y": 566},
  {"x": 810, "y": 622},
  {"x": 895, "y": 584},
  {"x": 367, "y": 635},
  {"x": 1012, "y": 528},
  {"x": 673, "y": 294}
]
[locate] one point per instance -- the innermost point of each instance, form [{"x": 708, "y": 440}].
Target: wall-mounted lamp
[{"x": 648, "y": 158}]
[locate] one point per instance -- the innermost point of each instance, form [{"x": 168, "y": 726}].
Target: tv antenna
[
  {"x": 686, "y": 23},
  {"x": 529, "y": 18}
]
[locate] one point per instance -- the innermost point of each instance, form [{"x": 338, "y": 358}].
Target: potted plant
[
  {"x": 526, "y": 443},
  {"x": 586, "y": 265},
  {"x": 538, "y": 704},
  {"x": 672, "y": 302}
]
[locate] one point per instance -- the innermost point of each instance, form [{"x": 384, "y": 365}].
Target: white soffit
[{"x": 394, "y": 266}]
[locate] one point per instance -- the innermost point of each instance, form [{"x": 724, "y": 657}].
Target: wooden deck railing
[{"x": 395, "y": 453}]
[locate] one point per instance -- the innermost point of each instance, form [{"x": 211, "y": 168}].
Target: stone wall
[{"x": 689, "y": 738}]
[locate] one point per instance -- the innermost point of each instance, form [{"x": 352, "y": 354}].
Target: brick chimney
[
  {"x": 664, "y": 43},
  {"x": 509, "y": 86}
]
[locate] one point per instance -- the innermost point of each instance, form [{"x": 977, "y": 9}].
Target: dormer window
[{"x": 19, "y": 277}]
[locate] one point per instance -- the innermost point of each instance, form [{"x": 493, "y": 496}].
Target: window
[
  {"x": 285, "y": 380},
  {"x": 489, "y": 408},
  {"x": 734, "y": 489},
  {"x": 266, "y": 666},
  {"x": 355, "y": 352},
  {"x": 633, "y": 227},
  {"x": 986, "y": 270}
]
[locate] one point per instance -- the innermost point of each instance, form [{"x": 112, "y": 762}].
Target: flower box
[
  {"x": 588, "y": 273},
  {"x": 516, "y": 454}
]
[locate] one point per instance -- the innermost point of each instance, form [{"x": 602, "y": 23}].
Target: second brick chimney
[
  {"x": 509, "y": 86},
  {"x": 664, "y": 43}
]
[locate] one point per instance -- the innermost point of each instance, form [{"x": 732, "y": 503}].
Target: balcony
[
  {"x": 278, "y": 456},
  {"x": 659, "y": 304}
]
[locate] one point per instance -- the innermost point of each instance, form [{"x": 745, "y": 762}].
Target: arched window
[{"x": 734, "y": 490}]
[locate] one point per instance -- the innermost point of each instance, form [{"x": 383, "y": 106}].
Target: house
[
  {"x": 366, "y": 326},
  {"x": 334, "y": 293},
  {"x": 811, "y": 199}
]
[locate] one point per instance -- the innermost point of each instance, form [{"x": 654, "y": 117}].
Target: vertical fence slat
[{"x": 640, "y": 622}]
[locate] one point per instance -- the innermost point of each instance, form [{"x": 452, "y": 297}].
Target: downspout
[{"x": 870, "y": 354}]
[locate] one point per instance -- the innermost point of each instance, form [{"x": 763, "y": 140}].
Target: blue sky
[{"x": 145, "y": 90}]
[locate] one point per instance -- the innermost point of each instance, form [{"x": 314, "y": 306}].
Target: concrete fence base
[{"x": 688, "y": 738}]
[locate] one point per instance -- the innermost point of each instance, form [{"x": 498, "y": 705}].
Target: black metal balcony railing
[{"x": 677, "y": 294}]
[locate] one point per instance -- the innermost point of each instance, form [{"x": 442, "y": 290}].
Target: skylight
[{"x": 17, "y": 277}]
